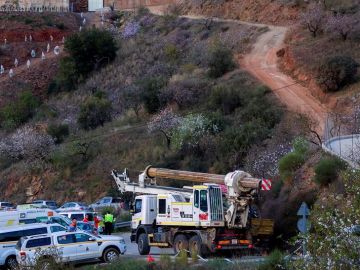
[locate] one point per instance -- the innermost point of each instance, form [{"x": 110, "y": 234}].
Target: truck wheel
[
  {"x": 11, "y": 263},
  {"x": 181, "y": 242},
  {"x": 110, "y": 255},
  {"x": 143, "y": 244},
  {"x": 196, "y": 246}
]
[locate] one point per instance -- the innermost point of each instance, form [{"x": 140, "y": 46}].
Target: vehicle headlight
[{"x": 122, "y": 241}]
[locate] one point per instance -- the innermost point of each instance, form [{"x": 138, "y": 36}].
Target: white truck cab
[{"x": 145, "y": 211}]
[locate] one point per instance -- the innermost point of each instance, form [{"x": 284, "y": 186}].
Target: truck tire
[
  {"x": 143, "y": 244},
  {"x": 110, "y": 255},
  {"x": 11, "y": 263},
  {"x": 197, "y": 247},
  {"x": 181, "y": 242}
]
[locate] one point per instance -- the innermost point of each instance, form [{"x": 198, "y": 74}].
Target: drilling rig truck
[{"x": 218, "y": 213}]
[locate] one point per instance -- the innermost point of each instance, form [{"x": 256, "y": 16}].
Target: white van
[
  {"x": 9, "y": 236},
  {"x": 28, "y": 216},
  {"x": 78, "y": 215}
]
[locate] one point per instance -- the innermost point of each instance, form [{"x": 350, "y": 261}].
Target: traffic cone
[{"x": 150, "y": 259}]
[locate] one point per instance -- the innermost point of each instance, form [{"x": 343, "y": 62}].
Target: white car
[
  {"x": 9, "y": 236},
  {"x": 65, "y": 247},
  {"x": 6, "y": 206},
  {"x": 106, "y": 202},
  {"x": 73, "y": 206},
  {"x": 46, "y": 204}
]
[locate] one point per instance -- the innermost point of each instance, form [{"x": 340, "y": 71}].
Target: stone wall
[
  {"x": 35, "y": 5},
  {"x": 128, "y": 4}
]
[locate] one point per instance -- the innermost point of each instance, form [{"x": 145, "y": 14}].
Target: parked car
[
  {"x": 107, "y": 202},
  {"x": 46, "y": 204},
  {"x": 73, "y": 206},
  {"x": 78, "y": 215},
  {"x": 74, "y": 247},
  {"x": 6, "y": 206},
  {"x": 10, "y": 235}
]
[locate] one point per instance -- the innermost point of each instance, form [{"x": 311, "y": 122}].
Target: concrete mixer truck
[{"x": 218, "y": 213}]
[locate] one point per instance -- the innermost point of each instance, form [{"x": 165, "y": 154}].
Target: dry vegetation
[
  {"x": 162, "y": 62},
  {"x": 325, "y": 40}
]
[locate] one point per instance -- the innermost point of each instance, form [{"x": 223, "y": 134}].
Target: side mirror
[
  {"x": 132, "y": 211},
  {"x": 92, "y": 239}
]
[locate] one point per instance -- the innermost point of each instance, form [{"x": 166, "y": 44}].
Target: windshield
[
  {"x": 6, "y": 205},
  {"x": 67, "y": 220},
  {"x": 51, "y": 203},
  {"x": 138, "y": 203},
  {"x": 19, "y": 243}
]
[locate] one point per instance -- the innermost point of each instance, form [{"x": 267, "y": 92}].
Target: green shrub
[
  {"x": 257, "y": 106},
  {"x": 171, "y": 52},
  {"x": 292, "y": 161},
  {"x": 225, "y": 98},
  {"x": 150, "y": 89},
  {"x": 221, "y": 61},
  {"x": 48, "y": 20},
  {"x": 336, "y": 72},
  {"x": 165, "y": 262},
  {"x": 289, "y": 163},
  {"x": 58, "y": 132},
  {"x": 124, "y": 264},
  {"x": 28, "y": 21},
  {"x": 88, "y": 50},
  {"x": 18, "y": 112},
  {"x": 94, "y": 112},
  {"x": 275, "y": 261},
  {"x": 61, "y": 26},
  {"x": 301, "y": 146},
  {"x": 327, "y": 170},
  {"x": 181, "y": 261},
  {"x": 67, "y": 78}
]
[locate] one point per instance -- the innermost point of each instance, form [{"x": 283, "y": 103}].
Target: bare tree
[
  {"x": 342, "y": 24},
  {"x": 313, "y": 18},
  {"x": 84, "y": 148},
  {"x": 165, "y": 122},
  {"x": 310, "y": 129}
]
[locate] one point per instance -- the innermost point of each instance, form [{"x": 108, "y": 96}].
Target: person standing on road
[
  {"x": 86, "y": 219},
  {"x": 109, "y": 220},
  {"x": 73, "y": 225},
  {"x": 96, "y": 224}
]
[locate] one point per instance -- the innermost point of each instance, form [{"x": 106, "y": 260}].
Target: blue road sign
[
  {"x": 303, "y": 210},
  {"x": 303, "y": 225}
]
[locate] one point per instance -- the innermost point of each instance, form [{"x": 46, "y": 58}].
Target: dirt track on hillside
[{"x": 261, "y": 62}]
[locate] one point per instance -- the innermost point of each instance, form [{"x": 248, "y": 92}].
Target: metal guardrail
[{"x": 124, "y": 224}]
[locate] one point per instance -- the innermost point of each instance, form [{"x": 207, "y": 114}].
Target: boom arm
[{"x": 125, "y": 185}]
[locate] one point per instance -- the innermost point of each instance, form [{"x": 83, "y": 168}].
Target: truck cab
[{"x": 144, "y": 211}]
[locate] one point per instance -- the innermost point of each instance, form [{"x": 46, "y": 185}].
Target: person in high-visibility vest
[{"x": 109, "y": 220}]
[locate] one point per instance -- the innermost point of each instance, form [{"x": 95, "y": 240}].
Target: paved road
[{"x": 132, "y": 249}]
